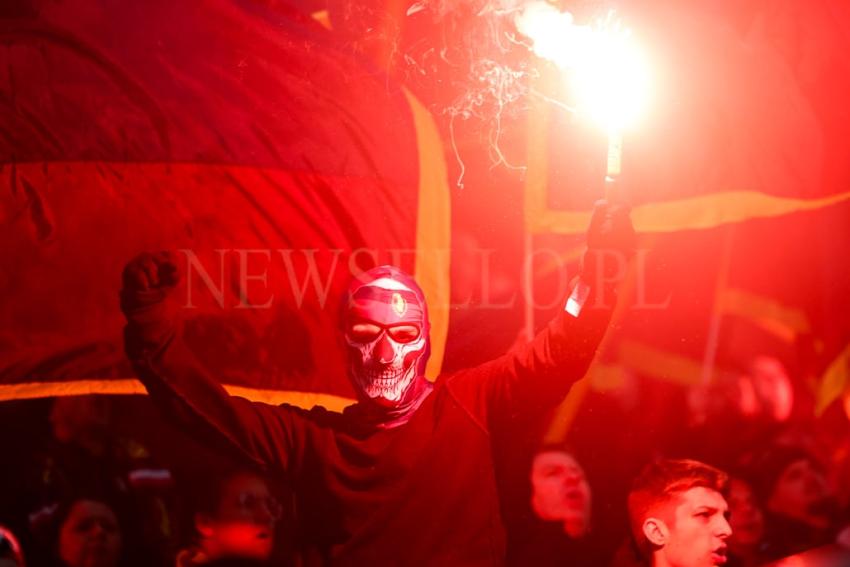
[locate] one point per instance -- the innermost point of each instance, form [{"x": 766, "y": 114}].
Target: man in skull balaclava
[{"x": 407, "y": 474}]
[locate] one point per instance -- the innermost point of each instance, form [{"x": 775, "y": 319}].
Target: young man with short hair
[{"x": 678, "y": 514}]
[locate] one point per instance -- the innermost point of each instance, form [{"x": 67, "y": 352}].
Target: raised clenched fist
[
  {"x": 611, "y": 229},
  {"x": 611, "y": 244},
  {"x": 151, "y": 272}
]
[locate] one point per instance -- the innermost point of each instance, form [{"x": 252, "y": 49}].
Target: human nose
[
  {"x": 724, "y": 530},
  {"x": 384, "y": 350},
  {"x": 815, "y": 481},
  {"x": 97, "y": 531},
  {"x": 263, "y": 514},
  {"x": 572, "y": 479}
]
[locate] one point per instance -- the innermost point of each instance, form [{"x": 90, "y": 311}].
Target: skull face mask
[{"x": 386, "y": 333}]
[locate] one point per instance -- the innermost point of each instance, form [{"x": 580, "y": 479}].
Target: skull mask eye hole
[
  {"x": 364, "y": 332},
  {"x": 403, "y": 333}
]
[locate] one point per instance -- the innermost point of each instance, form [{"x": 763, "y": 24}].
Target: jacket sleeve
[
  {"x": 538, "y": 375},
  {"x": 268, "y": 436}
]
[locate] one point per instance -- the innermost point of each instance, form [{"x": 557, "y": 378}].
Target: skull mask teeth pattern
[
  {"x": 385, "y": 380},
  {"x": 382, "y": 363}
]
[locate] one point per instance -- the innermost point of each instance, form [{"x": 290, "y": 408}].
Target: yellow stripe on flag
[
  {"x": 323, "y": 17},
  {"x": 433, "y": 231},
  {"x": 689, "y": 213},
  {"x": 304, "y": 400},
  {"x": 692, "y": 213},
  {"x": 785, "y": 323},
  {"x": 716, "y": 209},
  {"x": 130, "y": 386},
  {"x": 661, "y": 364},
  {"x": 835, "y": 381}
]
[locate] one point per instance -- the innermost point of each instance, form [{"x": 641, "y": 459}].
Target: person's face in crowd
[
  {"x": 560, "y": 491},
  {"x": 90, "y": 536},
  {"x": 244, "y": 523},
  {"x": 798, "y": 493},
  {"x": 773, "y": 387},
  {"x": 691, "y": 530},
  {"x": 746, "y": 519}
]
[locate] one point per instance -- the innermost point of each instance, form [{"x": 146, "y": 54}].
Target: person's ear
[
  {"x": 656, "y": 532},
  {"x": 204, "y": 525}
]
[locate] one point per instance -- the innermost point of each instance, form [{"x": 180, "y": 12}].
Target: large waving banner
[
  {"x": 257, "y": 142},
  {"x": 277, "y": 164}
]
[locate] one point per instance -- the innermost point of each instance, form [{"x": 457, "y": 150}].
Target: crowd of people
[
  {"x": 94, "y": 499},
  {"x": 781, "y": 505},
  {"x": 87, "y": 496}
]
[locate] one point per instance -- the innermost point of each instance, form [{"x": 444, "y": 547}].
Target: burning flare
[{"x": 607, "y": 73}]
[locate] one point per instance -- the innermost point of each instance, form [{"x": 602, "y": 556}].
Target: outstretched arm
[
  {"x": 181, "y": 386},
  {"x": 539, "y": 374}
]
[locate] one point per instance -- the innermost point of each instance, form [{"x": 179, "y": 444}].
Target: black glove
[{"x": 610, "y": 246}]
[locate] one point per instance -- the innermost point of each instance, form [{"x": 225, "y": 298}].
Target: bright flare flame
[{"x": 608, "y": 74}]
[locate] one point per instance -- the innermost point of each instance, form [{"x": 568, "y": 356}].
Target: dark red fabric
[
  {"x": 424, "y": 492},
  {"x": 208, "y": 126}
]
